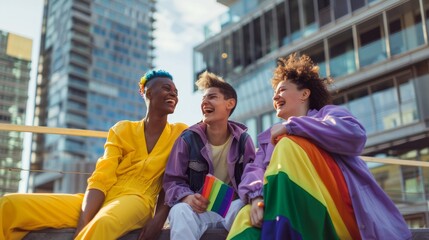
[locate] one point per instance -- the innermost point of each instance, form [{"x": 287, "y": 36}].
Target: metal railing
[
  {"x": 102, "y": 134},
  {"x": 398, "y": 198}
]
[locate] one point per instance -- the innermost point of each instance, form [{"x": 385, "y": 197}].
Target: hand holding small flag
[{"x": 218, "y": 193}]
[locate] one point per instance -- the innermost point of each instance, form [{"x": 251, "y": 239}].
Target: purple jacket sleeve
[
  {"x": 253, "y": 175},
  {"x": 333, "y": 128},
  {"x": 175, "y": 178}
]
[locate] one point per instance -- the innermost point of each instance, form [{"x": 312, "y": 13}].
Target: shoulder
[
  {"x": 189, "y": 134},
  {"x": 237, "y": 129},
  {"x": 180, "y": 127},
  {"x": 125, "y": 125},
  {"x": 265, "y": 136},
  {"x": 333, "y": 110},
  {"x": 237, "y": 126}
]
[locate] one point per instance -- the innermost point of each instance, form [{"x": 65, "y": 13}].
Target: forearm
[
  {"x": 251, "y": 183},
  {"x": 92, "y": 203},
  {"x": 334, "y": 131},
  {"x": 162, "y": 209}
]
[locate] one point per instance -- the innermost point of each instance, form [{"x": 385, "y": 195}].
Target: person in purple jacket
[
  {"x": 216, "y": 146},
  {"x": 359, "y": 210}
]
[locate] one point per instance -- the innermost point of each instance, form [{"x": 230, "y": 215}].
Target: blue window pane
[
  {"x": 386, "y": 109},
  {"x": 361, "y": 109},
  {"x": 343, "y": 64},
  {"x": 406, "y": 39},
  {"x": 408, "y": 103}
]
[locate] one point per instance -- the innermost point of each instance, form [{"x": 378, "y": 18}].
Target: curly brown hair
[{"x": 305, "y": 74}]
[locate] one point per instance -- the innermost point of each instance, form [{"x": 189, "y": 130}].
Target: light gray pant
[{"x": 186, "y": 224}]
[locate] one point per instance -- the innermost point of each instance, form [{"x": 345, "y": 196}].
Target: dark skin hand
[
  {"x": 197, "y": 202},
  {"x": 152, "y": 229},
  {"x": 91, "y": 204}
]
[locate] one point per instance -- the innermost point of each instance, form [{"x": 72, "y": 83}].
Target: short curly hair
[
  {"x": 208, "y": 80},
  {"x": 305, "y": 74}
]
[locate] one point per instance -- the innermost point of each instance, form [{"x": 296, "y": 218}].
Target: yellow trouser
[{"x": 21, "y": 213}]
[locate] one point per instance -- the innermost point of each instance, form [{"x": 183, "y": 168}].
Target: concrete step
[
  {"x": 211, "y": 234},
  {"x": 67, "y": 233}
]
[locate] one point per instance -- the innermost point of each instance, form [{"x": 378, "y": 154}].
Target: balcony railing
[{"x": 102, "y": 134}]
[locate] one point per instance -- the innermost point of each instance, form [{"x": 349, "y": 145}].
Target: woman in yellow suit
[{"x": 122, "y": 191}]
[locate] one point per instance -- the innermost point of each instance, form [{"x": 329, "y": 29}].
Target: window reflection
[
  {"x": 386, "y": 106},
  {"x": 372, "y": 46},
  {"x": 252, "y": 129},
  {"x": 405, "y": 28},
  {"x": 281, "y": 24},
  {"x": 360, "y": 106},
  {"x": 342, "y": 54},
  {"x": 408, "y": 101},
  {"x": 317, "y": 54}
]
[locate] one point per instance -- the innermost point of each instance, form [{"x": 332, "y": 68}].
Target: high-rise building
[
  {"x": 93, "y": 53},
  {"x": 377, "y": 51},
  {"x": 15, "y": 66}
]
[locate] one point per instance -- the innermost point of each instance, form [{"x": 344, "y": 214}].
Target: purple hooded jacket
[
  {"x": 335, "y": 130},
  {"x": 175, "y": 182}
]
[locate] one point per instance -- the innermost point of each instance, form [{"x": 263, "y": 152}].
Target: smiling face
[
  {"x": 162, "y": 95},
  {"x": 289, "y": 101},
  {"x": 215, "y": 107}
]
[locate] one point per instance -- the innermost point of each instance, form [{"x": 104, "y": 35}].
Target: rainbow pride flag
[
  {"x": 218, "y": 193},
  {"x": 305, "y": 196}
]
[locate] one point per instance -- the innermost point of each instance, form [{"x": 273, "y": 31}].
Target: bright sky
[{"x": 179, "y": 28}]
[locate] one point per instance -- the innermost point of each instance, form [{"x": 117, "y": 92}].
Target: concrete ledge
[
  {"x": 67, "y": 234},
  {"x": 211, "y": 234}
]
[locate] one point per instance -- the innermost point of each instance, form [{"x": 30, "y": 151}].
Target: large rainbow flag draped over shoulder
[
  {"x": 305, "y": 196},
  {"x": 218, "y": 193}
]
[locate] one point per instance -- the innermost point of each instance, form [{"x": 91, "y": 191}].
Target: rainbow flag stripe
[
  {"x": 218, "y": 193},
  {"x": 305, "y": 196}
]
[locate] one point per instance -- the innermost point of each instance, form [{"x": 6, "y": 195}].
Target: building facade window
[
  {"x": 294, "y": 20},
  {"x": 405, "y": 28},
  {"x": 282, "y": 22},
  {"x": 372, "y": 44},
  {"x": 324, "y": 7},
  {"x": 252, "y": 129},
  {"x": 257, "y": 39},
  {"x": 384, "y": 105},
  {"x": 341, "y": 8},
  {"x": 270, "y": 38},
  {"x": 317, "y": 54},
  {"x": 407, "y": 99},
  {"x": 309, "y": 18},
  {"x": 342, "y": 54}
]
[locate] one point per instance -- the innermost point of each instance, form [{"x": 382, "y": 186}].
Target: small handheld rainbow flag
[{"x": 218, "y": 193}]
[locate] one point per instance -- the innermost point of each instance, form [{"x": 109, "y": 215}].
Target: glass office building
[
  {"x": 377, "y": 51},
  {"x": 15, "y": 66},
  {"x": 93, "y": 54}
]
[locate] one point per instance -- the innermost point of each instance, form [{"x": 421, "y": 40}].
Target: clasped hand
[
  {"x": 197, "y": 202},
  {"x": 277, "y": 131}
]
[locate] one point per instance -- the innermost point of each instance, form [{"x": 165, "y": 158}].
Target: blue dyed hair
[
  {"x": 157, "y": 73},
  {"x": 151, "y": 74}
]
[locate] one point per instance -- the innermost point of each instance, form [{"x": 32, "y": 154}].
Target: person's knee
[
  {"x": 6, "y": 202},
  {"x": 106, "y": 221},
  {"x": 179, "y": 210}
]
